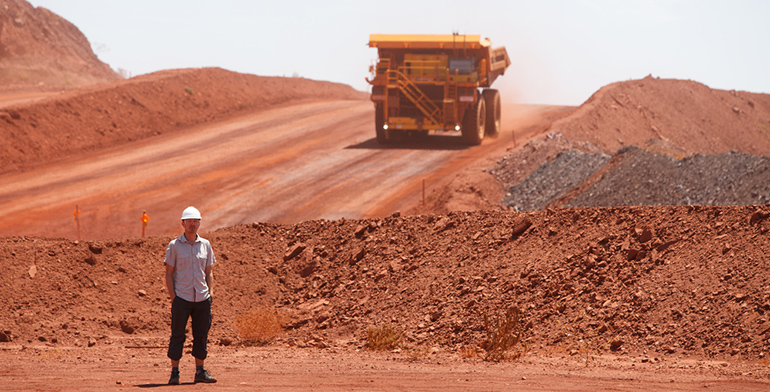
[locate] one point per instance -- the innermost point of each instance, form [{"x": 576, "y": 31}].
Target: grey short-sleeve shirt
[{"x": 190, "y": 261}]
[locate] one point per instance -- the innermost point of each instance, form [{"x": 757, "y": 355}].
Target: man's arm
[
  {"x": 210, "y": 280},
  {"x": 170, "y": 280}
]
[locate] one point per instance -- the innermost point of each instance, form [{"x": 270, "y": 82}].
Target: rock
[
  {"x": 317, "y": 344},
  {"x": 5, "y": 336},
  {"x": 142, "y": 293},
  {"x": 443, "y": 224},
  {"x": 665, "y": 245},
  {"x": 91, "y": 342},
  {"x": 645, "y": 235},
  {"x": 357, "y": 255},
  {"x": 757, "y": 216},
  {"x": 32, "y": 271},
  {"x": 360, "y": 230},
  {"x": 126, "y": 327},
  {"x": 615, "y": 344},
  {"x": 90, "y": 259},
  {"x": 294, "y": 251},
  {"x": 95, "y": 248},
  {"x": 590, "y": 261},
  {"x": 307, "y": 270},
  {"x": 520, "y": 226}
]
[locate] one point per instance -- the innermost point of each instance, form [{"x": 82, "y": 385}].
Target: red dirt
[
  {"x": 92, "y": 119},
  {"x": 678, "y": 117},
  {"x": 633, "y": 298},
  {"x": 41, "y": 50}
]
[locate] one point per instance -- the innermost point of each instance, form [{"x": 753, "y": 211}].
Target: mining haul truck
[{"x": 436, "y": 82}]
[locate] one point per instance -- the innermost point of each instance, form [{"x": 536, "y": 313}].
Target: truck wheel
[
  {"x": 379, "y": 121},
  {"x": 474, "y": 123},
  {"x": 494, "y": 109}
]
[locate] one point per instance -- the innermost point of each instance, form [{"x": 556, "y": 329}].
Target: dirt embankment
[
  {"x": 41, "y": 50},
  {"x": 689, "y": 281},
  {"x": 677, "y": 117},
  {"x": 647, "y": 142},
  {"x": 96, "y": 118}
]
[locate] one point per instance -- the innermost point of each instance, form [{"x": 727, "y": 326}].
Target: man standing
[{"x": 190, "y": 281}]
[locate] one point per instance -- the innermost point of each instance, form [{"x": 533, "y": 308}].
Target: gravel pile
[
  {"x": 640, "y": 177},
  {"x": 550, "y": 181}
]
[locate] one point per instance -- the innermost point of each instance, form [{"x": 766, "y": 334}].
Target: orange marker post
[
  {"x": 76, "y": 214},
  {"x": 145, "y": 219}
]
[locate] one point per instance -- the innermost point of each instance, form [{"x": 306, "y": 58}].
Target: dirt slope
[
  {"x": 691, "y": 145},
  {"x": 41, "y": 50},
  {"x": 658, "y": 281},
  {"x": 99, "y": 117},
  {"x": 679, "y": 117}
]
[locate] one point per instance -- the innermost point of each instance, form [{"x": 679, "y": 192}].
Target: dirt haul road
[{"x": 300, "y": 162}]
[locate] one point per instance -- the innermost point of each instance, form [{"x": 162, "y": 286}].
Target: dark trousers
[{"x": 200, "y": 312}]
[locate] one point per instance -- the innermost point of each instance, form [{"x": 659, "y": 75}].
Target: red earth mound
[
  {"x": 654, "y": 282},
  {"x": 106, "y": 115},
  {"x": 684, "y": 161},
  {"x": 678, "y": 117},
  {"x": 41, "y": 50}
]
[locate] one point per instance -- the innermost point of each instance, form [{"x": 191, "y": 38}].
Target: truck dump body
[{"x": 431, "y": 82}]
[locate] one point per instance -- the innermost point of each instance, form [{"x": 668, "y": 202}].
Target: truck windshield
[{"x": 460, "y": 66}]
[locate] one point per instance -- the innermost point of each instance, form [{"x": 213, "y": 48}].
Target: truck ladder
[
  {"x": 413, "y": 93},
  {"x": 450, "y": 101}
]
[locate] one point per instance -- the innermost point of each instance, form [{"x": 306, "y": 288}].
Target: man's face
[{"x": 191, "y": 225}]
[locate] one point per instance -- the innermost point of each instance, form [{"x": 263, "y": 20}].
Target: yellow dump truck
[{"x": 436, "y": 82}]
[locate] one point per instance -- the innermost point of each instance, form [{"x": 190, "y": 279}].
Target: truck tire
[
  {"x": 494, "y": 109},
  {"x": 379, "y": 121},
  {"x": 474, "y": 123}
]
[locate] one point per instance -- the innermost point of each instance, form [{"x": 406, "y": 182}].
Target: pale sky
[{"x": 561, "y": 51}]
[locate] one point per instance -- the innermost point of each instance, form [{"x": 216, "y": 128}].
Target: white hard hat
[{"x": 191, "y": 213}]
